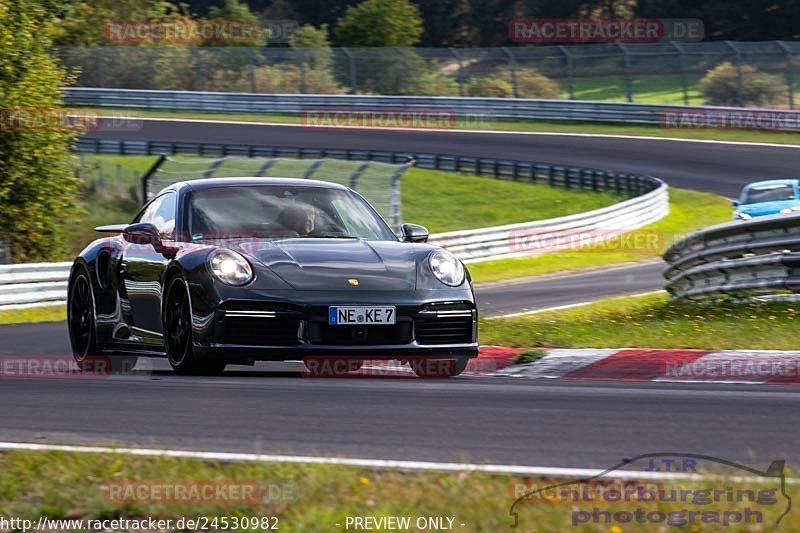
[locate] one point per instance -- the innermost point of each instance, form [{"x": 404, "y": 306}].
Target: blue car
[{"x": 764, "y": 198}]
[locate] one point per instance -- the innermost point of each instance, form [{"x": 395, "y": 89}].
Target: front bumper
[{"x": 259, "y": 330}]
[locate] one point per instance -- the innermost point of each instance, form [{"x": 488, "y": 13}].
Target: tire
[
  {"x": 438, "y": 368},
  {"x": 82, "y": 333},
  {"x": 183, "y": 357}
]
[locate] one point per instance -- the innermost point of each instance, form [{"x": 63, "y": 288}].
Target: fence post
[
  {"x": 628, "y": 75},
  {"x": 403, "y": 89},
  {"x": 251, "y": 64},
  {"x": 101, "y": 66},
  {"x": 300, "y": 55},
  {"x": 150, "y": 171},
  {"x": 737, "y": 57},
  {"x": 570, "y": 71},
  {"x": 512, "y": 63},
  {"x": 460, "y": 75},
  {"x": 684, "y": 79},
  {"x": 351, "y": 62},
  {"x": 789, "y": 72},
  {"x": 151, "y": 76}
]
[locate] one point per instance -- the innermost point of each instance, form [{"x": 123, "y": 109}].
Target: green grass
[
  {"x": 60, "y": 485},
  {"x": 499, "y": 125},
  {"x": 443, "y": 201},
  {"x": 52, "y": 313},
  {"x": 652, "y": 322},
  {"x": 689, "y": 210}
]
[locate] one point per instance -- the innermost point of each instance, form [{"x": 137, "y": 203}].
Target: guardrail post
[
  {"x": 512, "y": 64},
  {"x": 789, "y": 72},
  {"x": 628, "y": 74},
  {"x": 460, "y": 74},
  {"x": 737, "y": 58},
  {"x": 570, "y": 71},
  {"x": 684, "y": 78}
]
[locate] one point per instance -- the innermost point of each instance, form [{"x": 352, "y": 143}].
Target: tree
[
  {"x": 374, "y": 23},
  {"x": 38, "y": 187},
  {"x": 311, "y": 46}
]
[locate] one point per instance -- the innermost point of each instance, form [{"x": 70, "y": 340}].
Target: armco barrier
[
  {"x": 759, "y": 256},
  {"x": 479, "y": 110},
  {"x": 33, "y": 284}
]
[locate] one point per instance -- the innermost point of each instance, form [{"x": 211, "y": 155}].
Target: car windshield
[
  {"x": 768, "y": 193},
  {"x": 281, "y": 211}
]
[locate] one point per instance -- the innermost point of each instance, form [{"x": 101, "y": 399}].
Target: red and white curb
[{"x": 681, "y": 366}]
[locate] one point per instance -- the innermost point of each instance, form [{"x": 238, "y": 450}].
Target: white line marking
[
  {"x": 570, "y": 306},
  {"x": 365, "y": 463},
  {"x": 482, "y": 132}
]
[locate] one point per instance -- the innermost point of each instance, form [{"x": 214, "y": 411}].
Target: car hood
[
  {"x": 327, "y": 264},
  {"x": 768, "y": 208}
]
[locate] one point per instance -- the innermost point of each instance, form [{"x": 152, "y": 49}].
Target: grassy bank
[
  {"x": 319, "y": 498},
  {"x": 490, "y": 124},
  {"x": 689, "y": 210},
  {"x": 652, "y": 322}
]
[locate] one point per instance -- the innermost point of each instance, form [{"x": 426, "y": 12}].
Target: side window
[{"x": 161, "y": 213}]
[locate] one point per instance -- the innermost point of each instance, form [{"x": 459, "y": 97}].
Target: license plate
[{"x": 360, "y": 315}]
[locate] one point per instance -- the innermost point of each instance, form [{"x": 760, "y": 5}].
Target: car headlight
[
  {"x": 446, "y": 267},
  {"x": 743, "y": 216},
  {"x": 787, "y": 211},
  {"x": 230, "y": 268}
]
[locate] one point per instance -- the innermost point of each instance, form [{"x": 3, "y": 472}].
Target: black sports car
[{"x": 233, "y": 270}]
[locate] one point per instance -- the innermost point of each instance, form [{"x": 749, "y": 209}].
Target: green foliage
[
  {"x": 489, "y": 87},
  {"x": 532, "y": 84},
  {"x": 380, "y": 23},
  {"x": 311, "y": 47},
  {"x": 37, "y": 183},
  {"x": 721, "y": 86}
]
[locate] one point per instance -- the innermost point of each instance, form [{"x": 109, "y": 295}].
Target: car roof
[
  {"x": 767, "y": 183},
  {"x": 210, "y": 183}
]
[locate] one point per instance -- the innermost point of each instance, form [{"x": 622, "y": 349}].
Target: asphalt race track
[
  {"x": 271, "y": 408},
  {"x": 468, "y": 419},
  {"x": 713, "y": 167}
]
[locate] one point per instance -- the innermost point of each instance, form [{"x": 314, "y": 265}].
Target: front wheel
[
  {"x": 177, "y": 319},
  {"x": 439, "y": 368}
]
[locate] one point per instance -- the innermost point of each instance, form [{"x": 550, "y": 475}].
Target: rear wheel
[
  {"x": 82, "y": 334},
  {"x": 182, "y": 355},
  {"x": 447, "y": 367}
]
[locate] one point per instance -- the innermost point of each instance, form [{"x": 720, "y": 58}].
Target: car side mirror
[
  {"x": 414, "y": 233},
  {"x": 735, "y": 203},
  {"x": 143, "y": 233}
]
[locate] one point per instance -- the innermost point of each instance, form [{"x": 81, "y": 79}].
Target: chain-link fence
[
  {"x": 664, "y": 73},
  {"x": 378, "y": 182}
]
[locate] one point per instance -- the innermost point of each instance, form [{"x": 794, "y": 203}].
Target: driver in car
[{"x": 298, "y": 219}]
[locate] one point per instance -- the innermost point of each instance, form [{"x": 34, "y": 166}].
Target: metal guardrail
[
  {"x": 759, "y": 256},
  {"x": 478, "y": 110},
  {"x": 33, "y": 284},
  {"x": 566, "y": 177},
  {"x": 563, "y": 233}
]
